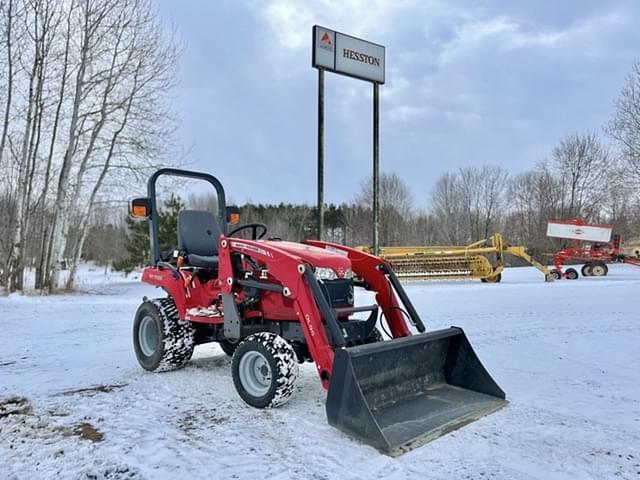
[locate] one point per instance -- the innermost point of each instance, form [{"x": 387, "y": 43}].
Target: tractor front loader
[{"x": 272, "y": 304}]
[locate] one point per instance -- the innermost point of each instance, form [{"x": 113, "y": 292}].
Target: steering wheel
[{"x": 254, "y": 230}]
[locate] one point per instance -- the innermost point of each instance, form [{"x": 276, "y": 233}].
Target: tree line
[
  {"x": 84, "y": 115},
  {"x": 580, "y": 180},
  {"x": 591, "y": 176}
]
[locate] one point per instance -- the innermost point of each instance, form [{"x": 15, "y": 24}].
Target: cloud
[
  {"x": 408, "y": 113},
  {"x": 468, "y": 83},
  {"x": 426, "y": 40},
  {"x": 290, "y": 23},
  {"x": 291, "y": 20},
  {"x": 507, "y": 34}
]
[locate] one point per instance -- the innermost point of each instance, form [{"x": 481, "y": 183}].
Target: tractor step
[{"x": 399, "y": 394}]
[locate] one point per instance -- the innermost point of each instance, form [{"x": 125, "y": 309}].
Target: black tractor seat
[
  {"x": 198, "y": 233},
  {"x": 201, "y": 261}
]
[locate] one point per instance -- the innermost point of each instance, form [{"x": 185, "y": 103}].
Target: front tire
[
  {"x": 264, "y": 369},
  {"x": 161, "y": 340}
]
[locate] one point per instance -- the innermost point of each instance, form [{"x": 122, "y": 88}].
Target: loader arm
[
  {"x": 375, "y": 272},
  {"x": 291, "y": 272}
]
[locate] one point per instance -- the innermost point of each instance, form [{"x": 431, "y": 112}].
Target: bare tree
[
  {"x": 535, "y": 197},
  {"x": 582, "y": 164},
  {"x": 396, "y": 205},
  {"x": 84, "y": 107},
  {"x": 7, "y": 17},
  {"x": 621, "y": 205},
  {"x": 625, "y": 125},
  {"x": 468, "y": 204},
  {"x": 41, "y": 19},
  {"x": 141, "y": 69},
  {"x": 119, "y": 121},
  {"x": 7, "y": 14},
  {"x": 45, "y": 227},
  {"x": 448, "y": 209}
]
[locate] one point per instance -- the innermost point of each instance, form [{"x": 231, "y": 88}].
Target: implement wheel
[
  {"x": 599, "y": 269},
  {"x": 556, "y": 275},
  {"x": 587, "y": 269},
  {"x": 571, "y": 273},
  {"x": 264, "y": 369},
  {"x": 495, "y": 279}
]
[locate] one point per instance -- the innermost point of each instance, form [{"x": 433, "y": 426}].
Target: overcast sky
[{"x": 467, "y": 83}]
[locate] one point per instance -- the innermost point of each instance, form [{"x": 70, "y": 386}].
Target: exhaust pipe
[{"x": 399, "y": 394}]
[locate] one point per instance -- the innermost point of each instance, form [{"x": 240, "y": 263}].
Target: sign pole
[
  {"x": 320, "y": 219},
  {"x": 376, "y": 167},
  {"x": 347, "y": 55}
]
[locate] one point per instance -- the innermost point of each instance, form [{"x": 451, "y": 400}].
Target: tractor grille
[{"x": 339, "y": 293}]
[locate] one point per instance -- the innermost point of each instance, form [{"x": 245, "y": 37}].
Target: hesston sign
[
  {"x": 347, "y": 55},
  {"x": 340, "y": 53}
]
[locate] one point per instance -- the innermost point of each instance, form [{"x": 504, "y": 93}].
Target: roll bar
[{"x": 153, "y": 217}]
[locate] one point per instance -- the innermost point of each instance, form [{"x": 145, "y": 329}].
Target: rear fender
[
  {"x": 167, "y": 280},
  {"x": 183, "y": 286}
]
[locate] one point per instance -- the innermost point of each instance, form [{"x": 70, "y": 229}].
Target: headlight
[{"x": 325, "y": 273}]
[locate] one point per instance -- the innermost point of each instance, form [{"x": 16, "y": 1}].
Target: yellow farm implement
[{"x": 454, "y": 262}]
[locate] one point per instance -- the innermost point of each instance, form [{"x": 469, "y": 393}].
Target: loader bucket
[{"x": 399, "y": 394}]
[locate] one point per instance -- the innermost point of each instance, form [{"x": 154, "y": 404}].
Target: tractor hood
[{"x": 317, "y": 257}]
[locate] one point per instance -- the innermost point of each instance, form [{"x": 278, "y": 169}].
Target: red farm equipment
[
  {"x": 272, "y": 304},
  {"x": 592, "y": 244}
]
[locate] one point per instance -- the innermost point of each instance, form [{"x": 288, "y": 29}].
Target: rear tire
[
  {"x": 161, "y": 340},
  {"x": 587, "y": 270},
  {"x": 599, "y": 269},
  {"x": 264, "y": 369},
  {"x": 571, "y": 273}
]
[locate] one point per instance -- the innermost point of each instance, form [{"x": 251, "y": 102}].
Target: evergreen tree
[
  {"x": 168, "y": 225},
  {"x": 138, "y": 240}
]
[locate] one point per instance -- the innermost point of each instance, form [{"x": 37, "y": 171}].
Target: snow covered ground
[{"x": 566, "y": 353}]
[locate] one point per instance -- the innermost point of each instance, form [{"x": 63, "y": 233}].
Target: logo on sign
[
  {"x": 325, "y": 42},
  {"x": 578, "y": 231}
]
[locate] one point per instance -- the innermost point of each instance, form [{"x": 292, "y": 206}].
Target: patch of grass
[
  {"x": 15, "y": 406},
  {"x": 83, "y": 430},
  {"x": 94, "y": 390}
]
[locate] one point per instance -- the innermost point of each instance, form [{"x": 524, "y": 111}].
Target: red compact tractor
[
  {"x": 272, "y": 304},
  {"x": 592, "y": 244}
]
